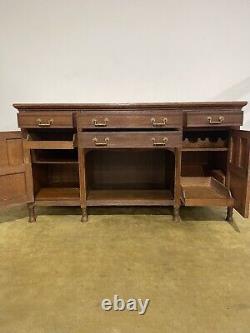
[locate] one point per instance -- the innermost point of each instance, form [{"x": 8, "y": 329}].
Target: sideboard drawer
[
  {"x": 131, "y": 119},
  {"x": 169, "y": 139},
  {"x": 214, "y": 119},
  {"x": 45, "y": 119}
]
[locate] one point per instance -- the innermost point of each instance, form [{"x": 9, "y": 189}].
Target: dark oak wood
[
  {"x": 69, "y": 196},
  {"x": 205, "y": 191},
  {"x": 83, "y": 183},
  {"x": 177, "y": 185},
  {"x": 45, "y": 119},
  {"x": 134, "y": 106},
  {"x": 32, "y": 213},
  {"x": 204, "y": 149},
  {"x": 214, "y": 118},
  {"x": 129, "y": 119},
  {"x": 42, "y": 142},
  {"x": 123, "y": 139},
  {"x": 129, "y": 197},
  {"x": 48, "y": 144},
  {"x": 239, "y": 177},
  {"x": 14, "y": 183},
  {"x": 152, "y": 154}
]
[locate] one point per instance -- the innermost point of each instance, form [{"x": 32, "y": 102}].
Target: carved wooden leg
[
  {"x": 32, "y": 213},
  {"x": 229, "y": 217},
  {"x": 84, "y": 215},
  {"x": 176, "y": 215}
]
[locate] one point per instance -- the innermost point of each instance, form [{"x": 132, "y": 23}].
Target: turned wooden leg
[
  {"x": 229, "y": 217},
  {"x": 84, "y": 215},
  {"x": 176, "y": 215},
  {"x": 32, "y": 213}
]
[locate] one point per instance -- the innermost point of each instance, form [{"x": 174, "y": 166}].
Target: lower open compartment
[
  {"x": 130, "y": 177},
  {"x": 203, "y": 181},
  {"x": 56, "y": 184},
  {"x": 204, "y": 191}
]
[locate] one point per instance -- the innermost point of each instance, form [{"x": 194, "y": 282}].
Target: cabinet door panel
[
  {"x": 239, "y": 170},
  {"x": 13, "y": 179}
]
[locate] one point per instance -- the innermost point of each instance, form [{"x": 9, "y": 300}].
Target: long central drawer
[
  {"x": 129, "y": 119},
  {"x": 123, "y": 139}
]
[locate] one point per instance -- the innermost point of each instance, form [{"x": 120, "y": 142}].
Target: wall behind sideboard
[{"x": 123, "y": 51}]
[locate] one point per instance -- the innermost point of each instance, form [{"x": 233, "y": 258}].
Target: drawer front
[
  {"x": 214, "y": 119},
  {"x": 131, "y": 119},
  {"x": 45, "y": 120},
  {"x": 129, "y": 139}
]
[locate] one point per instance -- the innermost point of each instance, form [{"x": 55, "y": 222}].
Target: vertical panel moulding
[
  {"x": 229, "y": 161},
  {"x": 231, "y": 145},
  {"x": 243, "y": 153},
  {"x": 28, "y": 171},
  {"x": 177, "y": 177},
  {"x": 239, "y": 152},
  {"x": 14, "y": 151},
  {"x": 4, "y": 161}
]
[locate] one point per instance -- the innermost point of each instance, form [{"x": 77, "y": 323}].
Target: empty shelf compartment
[
  {"x": 54, "y": 156},
  {"x": 129, "y": 197},
  {"x": 61, "y": 195},
  {"x": 50, "y": 140}
]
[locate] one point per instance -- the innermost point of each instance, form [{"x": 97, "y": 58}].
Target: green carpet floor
[{"x": 54, "y": 273}]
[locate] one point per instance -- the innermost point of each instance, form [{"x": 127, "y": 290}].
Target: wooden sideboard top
[{"x": 124, "y": 106}]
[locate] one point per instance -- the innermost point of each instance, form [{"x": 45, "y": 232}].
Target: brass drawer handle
[
  {"x": 41, "y": 124},
  {"x": 163, "y": 143},
  {"x": 105, "y": 143},
  {"x": 219, "y": 121},
  {"x": 158, "y": 124},
  {"x": 96, "y": 124}
]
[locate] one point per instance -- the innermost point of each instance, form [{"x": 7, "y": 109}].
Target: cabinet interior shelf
[
  {"x": 58, "y": 195},
  {"x": 204, "y": 149},
  {"x": 129, "y": 197},
  {"x": 54, "y": 161}
]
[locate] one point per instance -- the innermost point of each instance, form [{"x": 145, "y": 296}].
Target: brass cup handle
[
  {"x": 158, "y": 124},
  {"x": 41, "y": 124},
  {"x": 97, "y": 124},
  {"x": 102, "y": 144},
  {"x": 219, "y": 121},
  {"x": 162, "y": 143}
]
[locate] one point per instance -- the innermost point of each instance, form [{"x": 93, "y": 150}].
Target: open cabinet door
[
  {"x": 14, "y": 178},
  {"x": 239, "y": 170}
]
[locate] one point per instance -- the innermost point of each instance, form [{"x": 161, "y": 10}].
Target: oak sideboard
[{"x": 141, "y": 154}]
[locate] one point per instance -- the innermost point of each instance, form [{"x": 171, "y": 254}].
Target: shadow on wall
[{"x": 238, "y": 91}]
